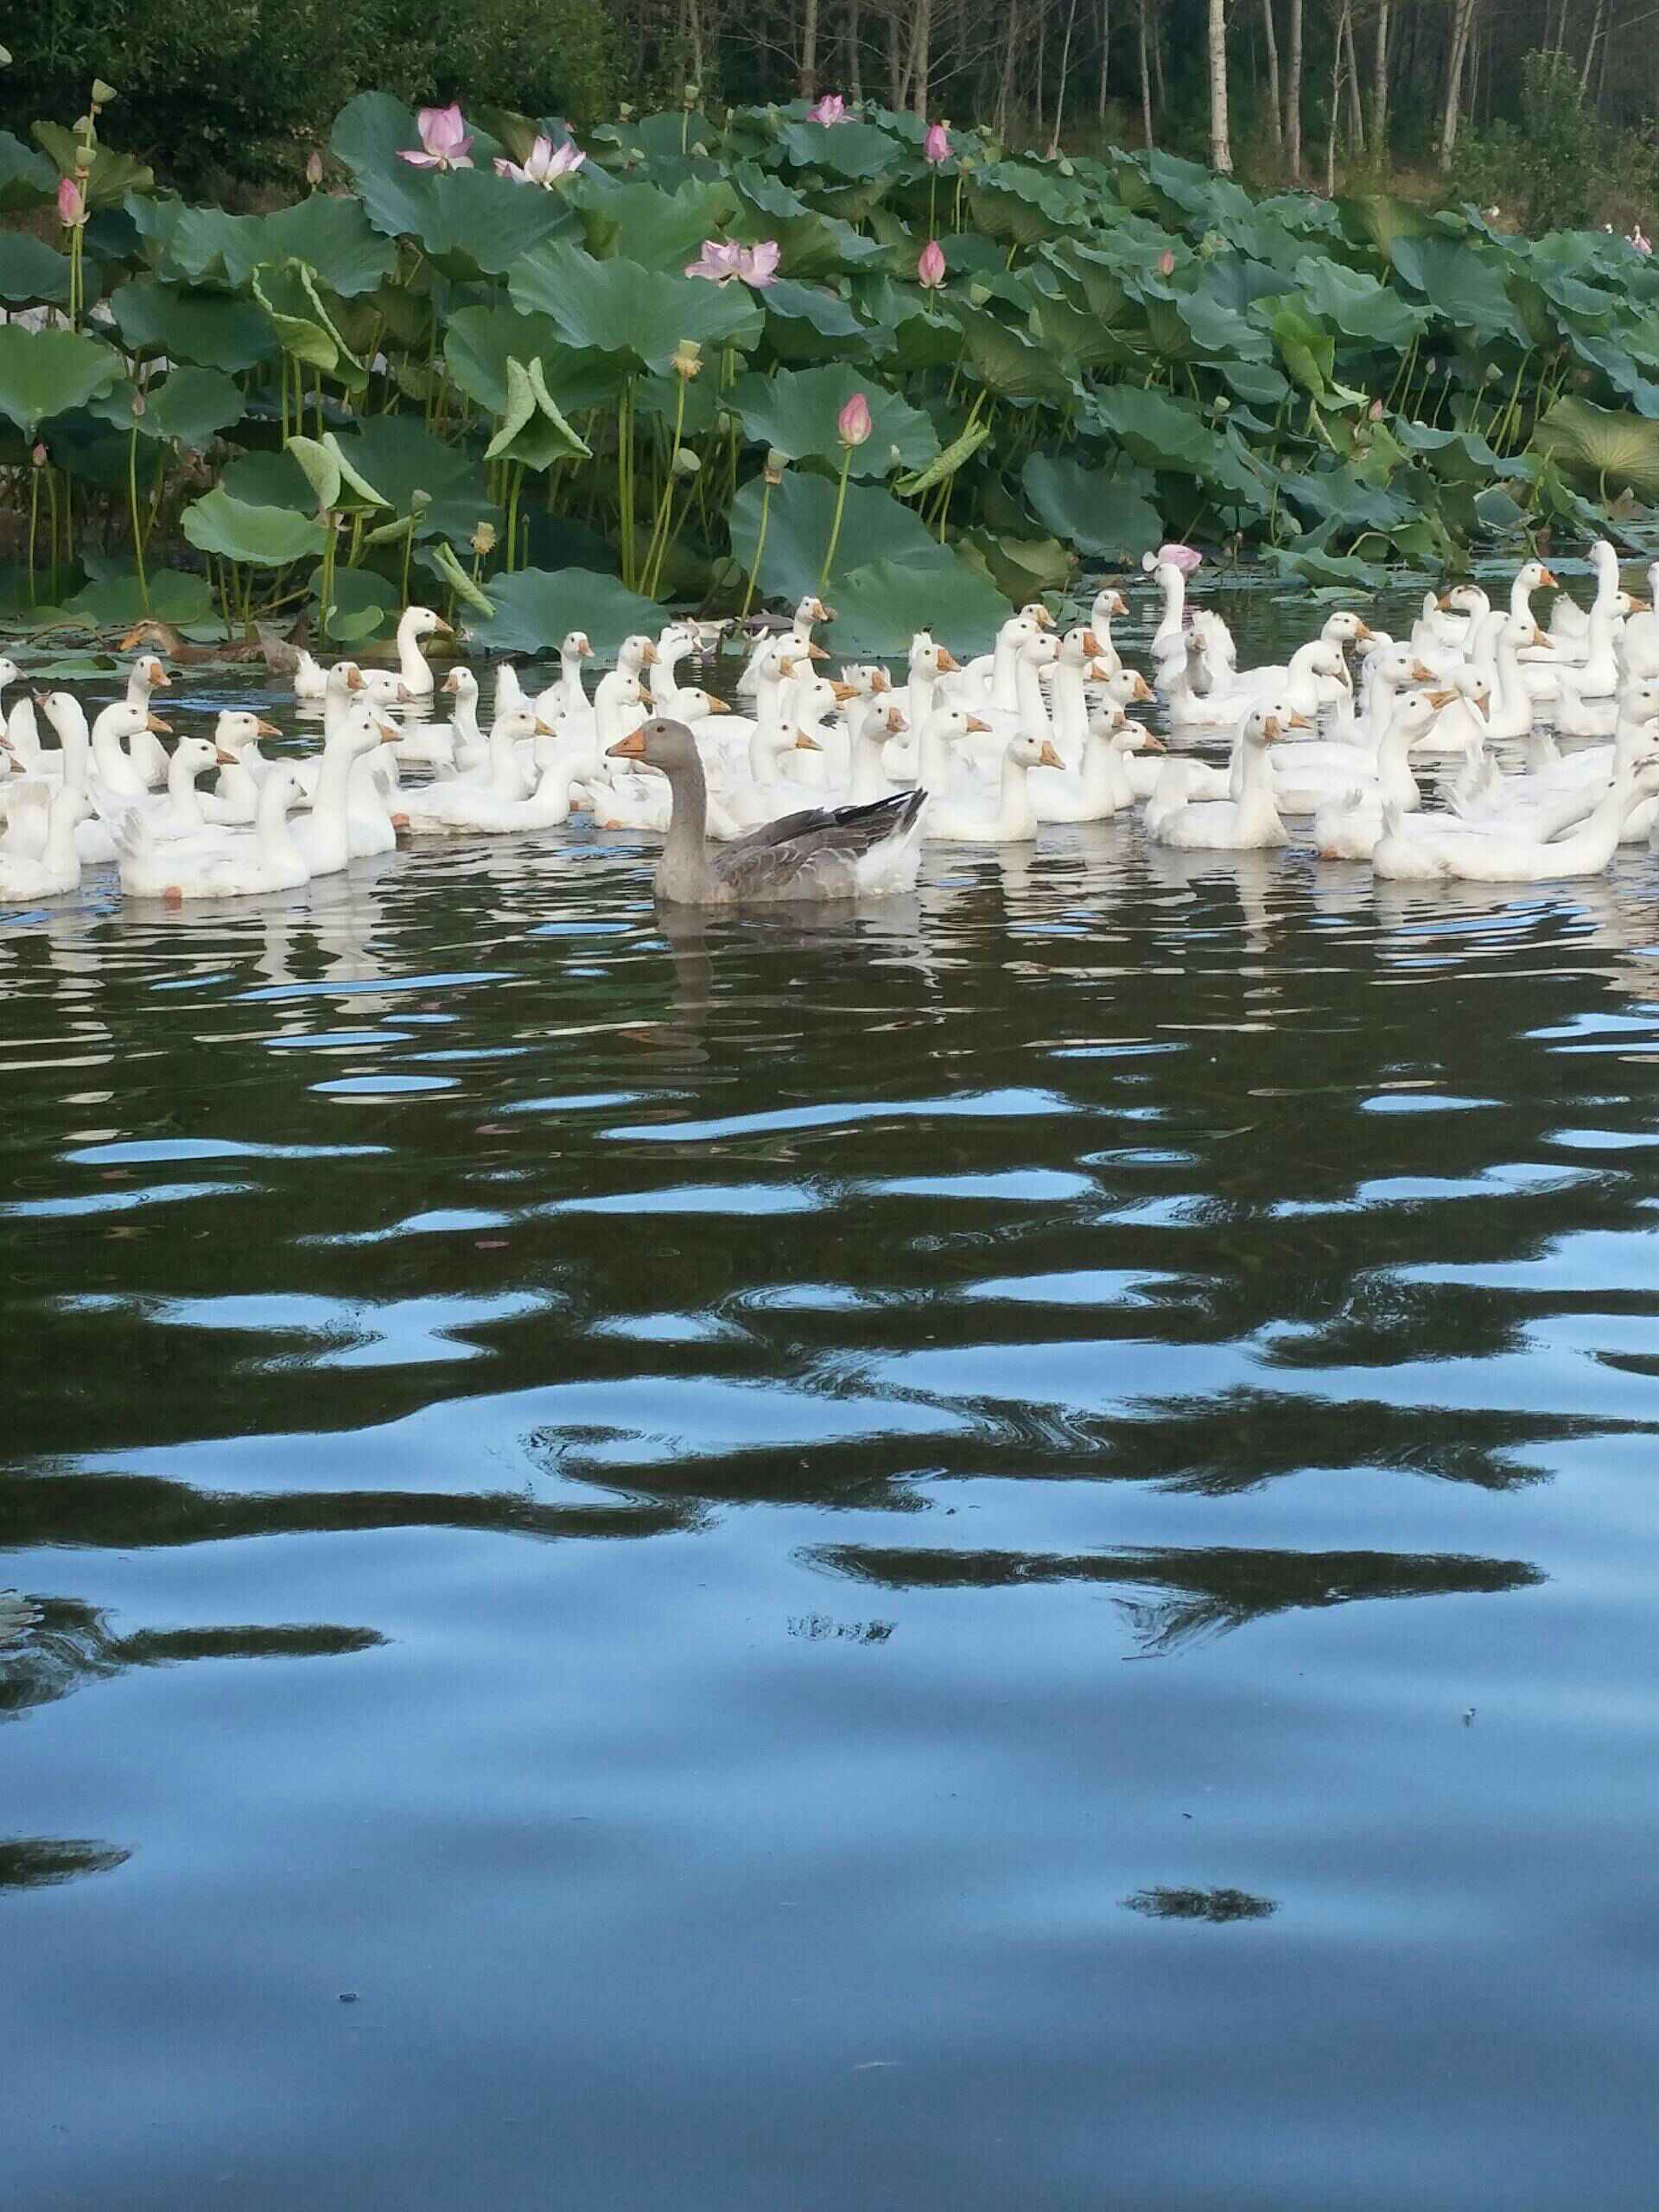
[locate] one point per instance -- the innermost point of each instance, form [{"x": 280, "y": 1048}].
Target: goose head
[
  {"x": 1033, "y": 753},
  {"x": 194, "y": 756},
  {"x": 148, "y": 675},
  {"x": 812, "y": 609},
  {"x": 1342, "y": 628},
  {"x": 1035, "y": 611},
  {"x": 576, "y": 646},
  {"x": 951, "y": 723},
  {"x": 236, "y": 729},
  {"x": 1109, "y": 604},
  {"x": 700, "y": 704},
  {"x": 423, "y": 622},
  {"x": 1534, "y": 576},
  {"x": 1128, "y": 688},
  {"x": 635, "y": 653},
  {"x": 9, "y": 673},
  {"x": 662, "y": 744},
  {"x": 462, "y": 683},
  {"x": 1267, "y": 724}
]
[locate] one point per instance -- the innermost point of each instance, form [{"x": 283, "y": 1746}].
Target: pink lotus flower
[
  {"x": 545, "y": 164},
  {"x": 1640, "y": 240},
  {"x": 724, "y": 261},
  {"x": 853, "y": 424},
  {"x": 72, "y": 205},
  {"x": 831, "y": 109},
  {"x": 446, "y": 143},
  {"x": 936, "y": 147},
  {"x": 1185, "y": 558},
  {"x": 930, "y": 267}
]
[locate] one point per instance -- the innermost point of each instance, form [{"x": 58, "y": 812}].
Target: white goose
[
  {"x": 1101, "y": 788},
  {"x": 149, "y": 758},
  {"x": 55, "y": 867},
  {"x": 1244, "y": 824},
  {"x": 332, "y": 835},
  {"x": 1347, "y": 826},
  {"x": 1013, "y": 819},
  {"x": 262, "y": 859},
  {"x": 1423, "y": 853}
]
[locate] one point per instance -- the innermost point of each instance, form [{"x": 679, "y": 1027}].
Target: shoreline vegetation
[{"x": 562, "y": 377}]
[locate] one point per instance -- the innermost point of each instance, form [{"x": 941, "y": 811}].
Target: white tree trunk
[
  {"x": 1463, "y": 19},
  {"x": 1379, "y": 85},
  {"x": 1221, "y": 150},
  {"x": 1294, "y": 94},
  {"x": 1275, "y": 98}
]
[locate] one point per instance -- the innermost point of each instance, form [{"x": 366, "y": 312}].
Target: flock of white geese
[{"x": 1540, "y": 746}]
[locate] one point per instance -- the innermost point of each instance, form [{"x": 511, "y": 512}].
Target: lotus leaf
[
  {"x": 657, "y": 229},
  {"x": 532, "y": 431},
  {"x": 47, "y": 372},
  {"x": 480, "y": 341},
  {"x": 1609, "y": 451},
  {"x": 26, "y": 179},
  {"x": 172, "y": 596},
  {"x": 535, "y": 608},
  {"x": 879, "y": 607},
  {"x": 1163, "y": 432},
  {"x": 844, "y": 150},
  {"x": 796, "y": 411},
  {"x": 267, "y": 537},
  {"x": 32, "y": 272},
  {"x": 1110, "y": 513},
  {"x": 1464, "y": 286},
  {"x": 112, "y": 176},
  {"x": 191, "y": 326},
  {"x": 638, "y": 315},
  {"x": 1006, "y": 363},
  {"x": 874, "y": 527},
  {"x": 191, "y": 405}
]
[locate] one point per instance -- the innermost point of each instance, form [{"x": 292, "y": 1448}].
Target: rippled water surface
[{"x": 995, "y": 1553}]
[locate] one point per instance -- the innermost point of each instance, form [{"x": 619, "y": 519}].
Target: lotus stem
[
  {"x": 132, "y": 501},
  {"x": 834, "y": 527},
  {"x": 657, "y": 545},
  {"x": 760, "y": 543},
  {"x": 34, "y": 516},
  {"x": 625, "y": 481},
  {"x": 52, "y": 503}
]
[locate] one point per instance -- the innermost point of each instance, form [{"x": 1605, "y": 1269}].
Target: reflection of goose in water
[
  {"x": 133, "y": 1512},
  {"x": 68, "y": 1645},
  {"x": 39, "y": 1862},
  {"x": 1220, "y": 1908},
  {"x": 1210, "y": 1590}
]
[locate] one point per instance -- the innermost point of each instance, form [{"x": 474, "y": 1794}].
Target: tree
[
  {"x": 1221, "y": 151},
  {"x": 1461, "y": 30}
]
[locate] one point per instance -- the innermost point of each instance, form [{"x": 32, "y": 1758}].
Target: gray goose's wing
[{"x": 819, "y": 842}]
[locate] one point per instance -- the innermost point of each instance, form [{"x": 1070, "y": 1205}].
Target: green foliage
[{"x": 1550, "y": 169}]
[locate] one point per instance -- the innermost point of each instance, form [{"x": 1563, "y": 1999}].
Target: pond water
[{"x": 996, "y": 1552}]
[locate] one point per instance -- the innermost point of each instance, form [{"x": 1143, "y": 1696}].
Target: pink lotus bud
[
  {"x": 930, "y": 268},
  {"x": 1376, "y": 410},
  {"x": 1167, "y": 262},
  {"x": 72, "y": 205},
  {"x": 936, "y": 147},
  {"x": 853, "y": 424},
  {"x": 37, "y": 457},
  {"x": 313, "y": 168}
]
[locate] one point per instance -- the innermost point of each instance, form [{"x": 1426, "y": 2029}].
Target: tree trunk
[
  {"x": 854, "y": 50},
  {"x": 1158, "y": 86},
  {"x": 1463, "y": 17},
  {"x": 1336, "y": 109},
  {"x": 1293, "y": 95},
  {"x": 921, "y": 63},
  {"x": 1590, "y": 50},
  {"x": 1105, "y": 54},
  {"x": 1145, "y": 79},
  {"x": 1059, "y": 90},
  {"x": 1351, "y": 68},
  {"x": 1379, "y": 86},
  {"x": 1221, "y": 151},
  {"x": 809, "y": 50},
  {"x": 1275, "y": 97}
]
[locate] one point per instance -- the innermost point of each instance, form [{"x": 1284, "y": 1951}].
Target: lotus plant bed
[{"x": 718, "y": 361}]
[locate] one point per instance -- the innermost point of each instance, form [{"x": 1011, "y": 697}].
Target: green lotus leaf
[
  {"x": 1014, "y": 201},
  {"x": 288, "y": 292},
  {"x": 26, "y": 179},
  {"x": 400, "y": 456},
  {"x": 1006, "y": 363},
  {"x": 796, "y": 411},
  {"x": 1194, "y": 190},
  {"x": 1111, "y": 513},
  {"x": 44, "y": 373},
  {"x": 1456, "y": 456},
  {"x": 657, "y": 229},
  {"x": 532, "y": 431},
  {"x": 1308, "y": 353},
  {"x": 851, "y": 149},
  {"x": 639, "y": 315},
  {"x": 32, "y": 273},
  {"x": 335, "y": 484},
  {"x": 186, "y": 325},
  {"x": 535, "y": 608},
  {"x": 332, "y": 235},
  {"x": 879, "y": 607},
  {"x": 1022, "y": 569},
  {"x": 1163, "y": 432},
  {"x": 480, "y": 342},
  {"x": 439, "y": 558},
  {"x": 874, "y": 527},
  {"x": 1610, "y": 452},
  {"x": 267, "y": 537},
  {"x": 1381, "y": 220},
  {"x": 954, "y": 457},
  {"x": 268, "y": 480},
  {"x": 805, "y": 323},
  {"x": 1621, "y": 372},
  {"x": 1356, "y": 304},
  {"x": 1464, "y": 286},
  {"x": 112, "y": 176},
  {"x": 171, "y": 597},
  {"x": 364, "y": 605},
  {"x": 191, "y": 405}
]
